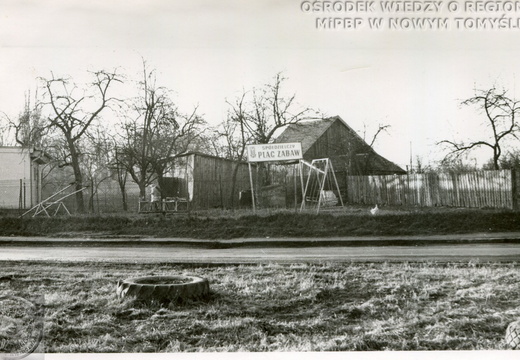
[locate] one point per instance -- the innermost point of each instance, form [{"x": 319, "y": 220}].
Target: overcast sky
[{"x": 207, "y": 51}]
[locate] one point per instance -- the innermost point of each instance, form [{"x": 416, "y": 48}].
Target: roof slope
[
  {"x": 308, "y": 132},
  {"x": 305, "y": 132}
]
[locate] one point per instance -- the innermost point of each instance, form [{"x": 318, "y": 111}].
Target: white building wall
[{"x": 15, "y": 166}]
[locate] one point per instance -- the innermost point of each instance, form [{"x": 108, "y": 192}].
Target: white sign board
[{"x": 274, "y": 152}]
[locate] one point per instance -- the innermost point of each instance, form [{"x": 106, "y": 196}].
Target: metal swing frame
[
  {"x": 321, "y": 181},
  {"x": 42, "y": 207}
]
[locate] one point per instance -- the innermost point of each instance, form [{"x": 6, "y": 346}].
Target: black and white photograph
[{"x": 270, "y": 179}]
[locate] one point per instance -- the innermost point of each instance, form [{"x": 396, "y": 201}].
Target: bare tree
[
  {"x": 179, "y": 134},
  {"x": 99, "y": 154},
  {"x": 262, "y": 111},
  {"x": 380, "y": 129},
  {"x": 122, "y": 175},
  {"x": 354, "y": 151},
  {"x": 236, "y": 138},
  {"x": 257, "y": 115},
  {"x": 365, "y": 153},
  {"x": 233, "y": 130},
  {"x": 72, "y": 112},
  {"x": 154, "y": 132},
  {"x": 28, "y": 128},
  {"x": 500, "y": 118}
]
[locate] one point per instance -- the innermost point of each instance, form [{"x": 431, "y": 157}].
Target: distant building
[
  {"x": 332, "y": 138},
  {"x": 20, "y": 177},
  {"x": 206, "y": 181}
]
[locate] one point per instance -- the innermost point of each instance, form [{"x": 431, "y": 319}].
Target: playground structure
[
  {"x": 315, "y": 181},
  {"x": 167, "y": 205},
  {"x": 53, "y": 206},
  {"x": 321, "y": 186},
  {"x": 154, "y": 202}
]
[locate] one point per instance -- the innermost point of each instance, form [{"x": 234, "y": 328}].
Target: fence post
[
  {"x": 514, "y": 189},
  {"x": 20, "y": 196}
]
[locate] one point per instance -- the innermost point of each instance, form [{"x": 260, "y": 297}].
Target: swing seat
[{"x": 329, "y": 198}]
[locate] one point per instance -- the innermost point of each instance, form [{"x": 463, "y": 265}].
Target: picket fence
[{"x": 493, "y": 189}]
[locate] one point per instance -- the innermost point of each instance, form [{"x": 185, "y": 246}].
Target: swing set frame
[
  {"x": 320, "y": 169},
  {"x": 47, "y": 204},
  {"x": 322, "y": 176}
]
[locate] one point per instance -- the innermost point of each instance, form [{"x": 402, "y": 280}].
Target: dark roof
[
  {"x": 385, "y": 166},
  {"x": 305, "y": 132},
  {"x": 309, "y": 131}
]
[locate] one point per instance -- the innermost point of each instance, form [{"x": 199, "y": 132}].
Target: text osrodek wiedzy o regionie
[{"x": 413, "y": 15}]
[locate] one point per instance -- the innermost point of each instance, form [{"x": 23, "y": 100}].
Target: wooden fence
[{"x": 494, "y": 189}]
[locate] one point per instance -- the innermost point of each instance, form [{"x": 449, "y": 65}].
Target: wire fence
[
  {"x": 106, "y": 198},
  {"x": 493, "y": 189},
  {"x": 13, "y": 194}
]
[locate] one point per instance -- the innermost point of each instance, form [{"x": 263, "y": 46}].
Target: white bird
[{"x": 375, "y": 210}]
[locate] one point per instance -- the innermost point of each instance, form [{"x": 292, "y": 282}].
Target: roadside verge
[{"x": 415, "y": 240}]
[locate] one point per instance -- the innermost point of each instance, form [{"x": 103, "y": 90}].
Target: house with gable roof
[{"x": 333, "y": 138}]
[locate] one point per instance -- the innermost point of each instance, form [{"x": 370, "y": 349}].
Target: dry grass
[
  {"x": 350, "y": 221},
  {"x": 276, "y": 307}
]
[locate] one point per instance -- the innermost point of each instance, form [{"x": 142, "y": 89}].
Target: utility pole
[{"x": 411, "y": 157}]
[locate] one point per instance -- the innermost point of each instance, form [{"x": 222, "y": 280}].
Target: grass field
[
  {"x": 219, "y": 224},
  {"x": 276, "y": 307}
]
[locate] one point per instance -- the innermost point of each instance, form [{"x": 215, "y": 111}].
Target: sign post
[
  {"x": 252, "y": 187},
  {"x": 271, "y": 153}
]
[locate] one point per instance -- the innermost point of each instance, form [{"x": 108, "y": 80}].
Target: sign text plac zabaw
[{"x": 274, "y": 152}]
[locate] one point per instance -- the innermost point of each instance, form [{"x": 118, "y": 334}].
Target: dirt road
[{"x": 464, "y": 252}]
